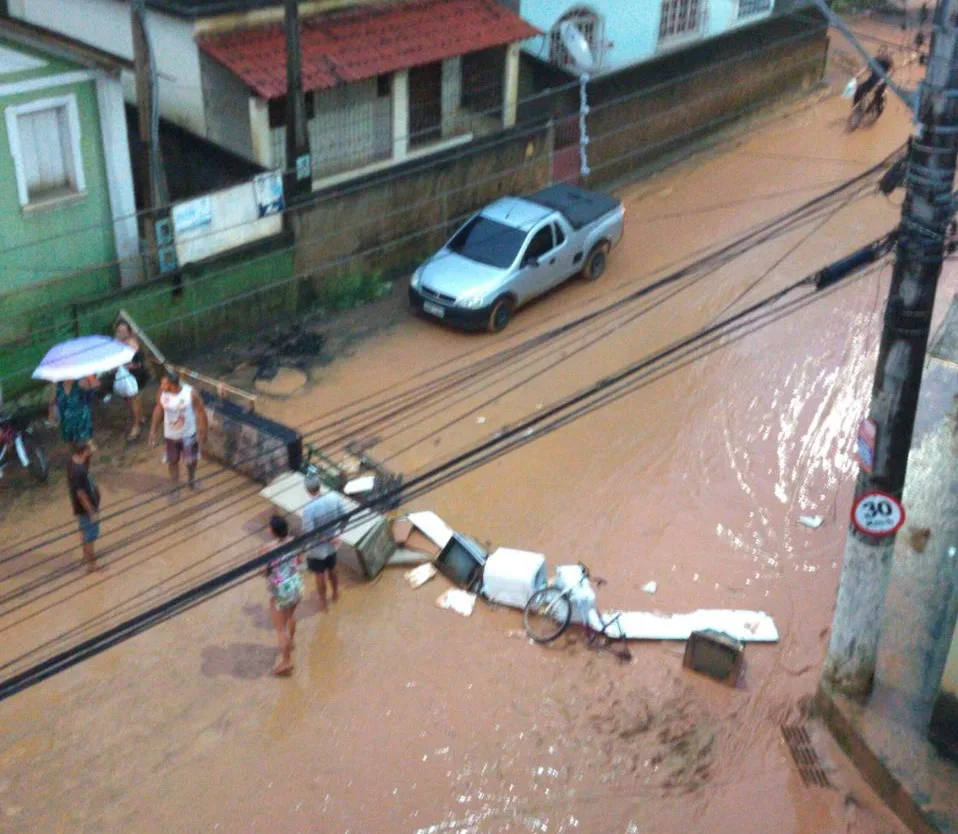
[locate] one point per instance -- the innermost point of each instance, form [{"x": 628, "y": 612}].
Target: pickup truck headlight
[
  {"x": 471, "y": 302},
  {"x": 416, "y": 279}
]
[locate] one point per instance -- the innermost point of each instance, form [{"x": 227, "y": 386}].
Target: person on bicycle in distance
[{"x": 875, "y": 81}]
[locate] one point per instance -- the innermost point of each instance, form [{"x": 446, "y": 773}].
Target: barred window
[
  {"x": 746, "y": 8},
  {"x": 679, "y": 17},
  {"x": 589, "y": 24}
]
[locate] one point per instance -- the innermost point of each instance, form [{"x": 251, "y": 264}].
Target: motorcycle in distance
[{"x": 17, "y": 441}]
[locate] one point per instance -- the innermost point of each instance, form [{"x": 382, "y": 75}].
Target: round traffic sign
[{"x": 878, "y": 514}]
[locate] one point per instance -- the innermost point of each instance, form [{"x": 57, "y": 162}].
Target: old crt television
[
  {"x": 461, "y": 561},
  {"x": 715, "y": 654}
]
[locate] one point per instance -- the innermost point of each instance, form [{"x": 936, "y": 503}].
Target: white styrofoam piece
[
  {"x": 288, "y": 493},
  {"x": 432, "y": 527},
  {"x": 746, "y": 626},
  {"x": 455, "y": 599},
  {"x": 510, "y": 577},
  {"x": 813, "y": 521},
  {"x": 568, "y": 575},
  {"x": 650, "y": 587},
  {"x": 360, "y": 485},
  {"x": 421, "y": 575}
]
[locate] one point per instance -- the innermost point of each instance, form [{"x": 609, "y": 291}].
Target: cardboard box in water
[{"x": 715, "y": 654}]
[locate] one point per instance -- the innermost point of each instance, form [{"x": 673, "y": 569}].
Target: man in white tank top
[{"x": 185, "y": 425}]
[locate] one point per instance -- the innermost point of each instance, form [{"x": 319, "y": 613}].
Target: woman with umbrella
[
  {"x": 71, "y": 405},
  {"x": 73, "y": 367}
]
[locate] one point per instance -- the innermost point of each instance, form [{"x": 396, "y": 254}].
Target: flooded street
[{"x": 404, "y": 718}]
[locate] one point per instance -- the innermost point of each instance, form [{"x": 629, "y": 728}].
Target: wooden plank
[
  {"x": 144, "y": 339},
  {"x": 217, "y": 386}
]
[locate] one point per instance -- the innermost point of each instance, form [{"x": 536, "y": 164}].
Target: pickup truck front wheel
[
  {"x": 500, "y": 315},
  {"x": 595, "y": 263}
]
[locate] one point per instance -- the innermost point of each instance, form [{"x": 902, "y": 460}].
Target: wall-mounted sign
[
  {"x": 304, "y": 167},
  {"x": 867, "y": 436},
  {"x": 196, "y": 214},
  {"x": 878, "y": 514},
  {"x": 268, "y": 189}
]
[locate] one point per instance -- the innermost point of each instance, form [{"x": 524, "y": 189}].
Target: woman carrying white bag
[{"x": 129, "y": 379}]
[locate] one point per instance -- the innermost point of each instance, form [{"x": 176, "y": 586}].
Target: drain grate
[{"x": 806, "y": 757}]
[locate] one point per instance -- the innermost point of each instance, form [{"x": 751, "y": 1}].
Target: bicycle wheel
[
  {"x": 548, "y": 613},
  {"x": 855, "y": 117},
  {"x": 36, "y": 460}
]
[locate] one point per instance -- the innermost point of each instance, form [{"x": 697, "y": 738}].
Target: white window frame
[
  {"x": 693, "y": 32},
  {"x": 13, "y": 113},
  {"x": 749, "y": 15}
]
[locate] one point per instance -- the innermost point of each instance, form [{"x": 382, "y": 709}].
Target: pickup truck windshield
[{"x": 488, "y": 242}]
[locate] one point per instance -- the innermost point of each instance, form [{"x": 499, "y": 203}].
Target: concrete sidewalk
[{"x": 887, "y": 737}]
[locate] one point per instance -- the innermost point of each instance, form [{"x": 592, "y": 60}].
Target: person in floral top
[{"x": 285, "y": 592}]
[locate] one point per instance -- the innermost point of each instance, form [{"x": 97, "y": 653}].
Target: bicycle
[
  {"x": 17, "y": 440},
  {"x": 869, "y": 107},
  {"x": 548, "y": 613}
]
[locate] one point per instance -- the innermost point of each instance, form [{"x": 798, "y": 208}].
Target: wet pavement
[{"x": 405, "y": 718}]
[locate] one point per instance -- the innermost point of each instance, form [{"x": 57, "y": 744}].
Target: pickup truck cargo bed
[{"x": 579, "y": 206}]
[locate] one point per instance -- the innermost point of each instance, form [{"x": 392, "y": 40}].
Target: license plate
[{"x": 433, "y": 309}]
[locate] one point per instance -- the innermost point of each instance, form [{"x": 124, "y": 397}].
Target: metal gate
[{"x": 565, "y": 153}]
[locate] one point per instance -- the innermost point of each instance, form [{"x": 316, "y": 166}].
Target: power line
[
  {"x": 427, "y": 480},
  {"x": 163, "y": 284},
  {"x": 344, "y": 259},
  {"x": 762, "y": 232},
  {"x": 9, "y": 611},
  {"x": 508, "y": 137},
  {"x": 21, "y": 606},
  {"x": 694, "y": 354}
]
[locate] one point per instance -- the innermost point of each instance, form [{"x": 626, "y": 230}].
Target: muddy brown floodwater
[{"x": 406, "y": 719}]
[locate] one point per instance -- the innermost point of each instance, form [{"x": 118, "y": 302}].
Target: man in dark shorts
[
  {"x": 85, "y": 498},
  {"x": 325, "y": 512}
]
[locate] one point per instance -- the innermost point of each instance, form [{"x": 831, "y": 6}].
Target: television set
[
  {"x": 461, "y": 561},
  {"x": 715, "y": 654}
]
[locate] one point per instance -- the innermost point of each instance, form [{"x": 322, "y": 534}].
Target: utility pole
[
  {"x": 298, "y": 176},
  {"x": 155, "y": 220},
  {"x": 926, "y": 213}
]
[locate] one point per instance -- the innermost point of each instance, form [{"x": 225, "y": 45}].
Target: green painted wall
[
  {"x": 61, "y": 253},
  {"x": 235, "y": 294}
]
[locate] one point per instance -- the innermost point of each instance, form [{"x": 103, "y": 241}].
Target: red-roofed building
[{"x": 385, "y": 80}]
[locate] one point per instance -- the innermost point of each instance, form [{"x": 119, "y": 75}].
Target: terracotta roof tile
[{"x": 362, "y": 43}]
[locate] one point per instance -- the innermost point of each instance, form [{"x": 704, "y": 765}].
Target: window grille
[{"x": 680, "y": 17}]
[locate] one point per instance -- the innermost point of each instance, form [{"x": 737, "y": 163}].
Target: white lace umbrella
[{"x": 82, "y": 357}]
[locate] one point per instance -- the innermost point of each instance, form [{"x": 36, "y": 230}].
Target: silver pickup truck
[{"x": 513, "y": 250}]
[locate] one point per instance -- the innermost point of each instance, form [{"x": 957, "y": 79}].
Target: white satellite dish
[{"x": 576, "y": 45}]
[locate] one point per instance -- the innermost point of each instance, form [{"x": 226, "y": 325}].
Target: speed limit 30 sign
[{"x": 878, "y": 514}]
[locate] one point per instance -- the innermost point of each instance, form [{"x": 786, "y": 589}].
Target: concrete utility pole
[
  {"x": 149, "y": 124},
  {"x": 926, "y": 213},
  {"x": 298, "y": 177}
]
